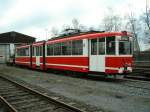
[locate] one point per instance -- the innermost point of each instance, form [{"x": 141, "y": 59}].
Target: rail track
[
  {"x": 18, "y": 98},
  {"x": 140, "y": 76},
  {"x": 141, "y": 71},
  {"x": 137, "y": 77},
  {"x": 136, "y": 83}
]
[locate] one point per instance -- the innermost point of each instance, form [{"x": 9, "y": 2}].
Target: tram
[{"x": 107, "y": 53}]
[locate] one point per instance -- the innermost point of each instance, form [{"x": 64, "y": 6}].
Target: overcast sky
[{"x": 32, "y": 17}]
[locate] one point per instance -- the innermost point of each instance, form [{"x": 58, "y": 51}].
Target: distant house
[{"x": 8, "y": 42}]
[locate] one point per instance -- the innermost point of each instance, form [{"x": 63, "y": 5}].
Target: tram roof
[
  {"x": 88, "y": 36},
  {"x": 38, "y": 43},
  {"x": 23, "y": 46}
]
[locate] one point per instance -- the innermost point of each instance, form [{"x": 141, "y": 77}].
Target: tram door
[
  {"x": 38, "y": 54},
  {"x": 97, "y": 55}
]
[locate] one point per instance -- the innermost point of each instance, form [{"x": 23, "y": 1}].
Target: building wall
[
  {"x": 4, "y": 52},
  {"x": 8, "y": 42}
]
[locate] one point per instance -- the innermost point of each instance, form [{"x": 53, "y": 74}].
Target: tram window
[
  {"x": 66, "y": 48},
  {"x": 33, "y": 51},
  {"x": 50, "y": 49},
  {"x": 37, "y": 51},
  {"x": 77, "y": 47},
  {"x": 124, "y": 47},
  {"x": 101, "y": 45},
  {"x": 19, "y": 52},
  {"x": 23, "y": 52},
  {"x": 94, "y": 46},
  {"x": 57, "y": 49},
  {"x": 41, "y": 50},
  {"x": 110, "y": 43},
  {"x": 26, "y": 52}
]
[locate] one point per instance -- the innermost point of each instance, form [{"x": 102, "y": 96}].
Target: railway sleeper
[
  {"x": 7, "y": 88},
  {"x": 18, "y": 98},
  {"x": 24, "y": 101},
  {"x": 41, "y": 108},
  {"x": 60, "y": 109},
  {"x": 46, "y": 109},
  {"x": 33, "y": 106},
  {"x": 11, "y": 92},
  {"x": 6, "y": 84},
  {"x": 12, "y": 95}
]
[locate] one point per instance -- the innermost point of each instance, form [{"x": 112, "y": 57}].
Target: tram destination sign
[{"x": 125, "y": 38}]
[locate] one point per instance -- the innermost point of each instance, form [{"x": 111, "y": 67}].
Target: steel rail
[
  {"x": 134, "y": 83},
  {"x": 43, "y": 96},
  {"x": 9, "y": 107},
  {"x": 138, "y": 78}
]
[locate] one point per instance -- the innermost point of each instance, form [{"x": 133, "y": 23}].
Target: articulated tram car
[
  {"x": 23, "y": 55},
  {"x": 38, "y": 55},
  {"x": 100, "y": 52}
]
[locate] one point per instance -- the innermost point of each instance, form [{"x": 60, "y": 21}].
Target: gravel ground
[
  {"x": 92, "y": 94},
  {"x": 3, "y": 108}
]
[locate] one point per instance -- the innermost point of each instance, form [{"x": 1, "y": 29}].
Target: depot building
[{"x": 8, "y": 42}]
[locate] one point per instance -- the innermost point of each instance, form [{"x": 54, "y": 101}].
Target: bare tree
[
  {"x": 131, "y": 23},
  {"x": 133, "y": 26},
  {"x": 147, "y": 14},
  {"x": 75, "y": 23},
  {"x": 54, "y": 31},
  {"x": 65, "y": 26},
  {"x": 147, "y": 21},
  {"x": 145, "y": 17},
  {"x": 83, "y": 28},
  {"x": 112, "y": 22}
]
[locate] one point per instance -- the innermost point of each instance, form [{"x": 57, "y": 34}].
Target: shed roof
[{"x": 16, "y": 37}]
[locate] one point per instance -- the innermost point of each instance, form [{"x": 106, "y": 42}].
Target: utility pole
[{"x": 46, "y": 33}]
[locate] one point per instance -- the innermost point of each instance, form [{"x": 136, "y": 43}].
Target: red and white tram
[
  {"x": 105, "y": 52},
  {"x": 23, "y": 55},
  {"x": 38, "y": 55}
]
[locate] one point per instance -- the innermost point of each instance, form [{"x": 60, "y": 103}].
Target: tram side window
[
  {"x": 94, "y": 46},
  {"x": 27, "y": 52},
  {"x": 23, "y": 52},
  {"x": 66, "y": 48},
  {"x": 110, "y": 41},
  {"x": 39, "y": 51},
  {"x": 101, "y": 45},
  {"x": 33, "y": 51},
  {"x": 57, "y": 49},
  {"x": 124, "y": 47},
  {"x": 50, "y": 49},
  {"x": 19, "y": 52},
  {"x": 77, "y": 47}
]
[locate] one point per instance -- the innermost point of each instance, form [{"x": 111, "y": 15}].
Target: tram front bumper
[{"x": 124, "y": 70}]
